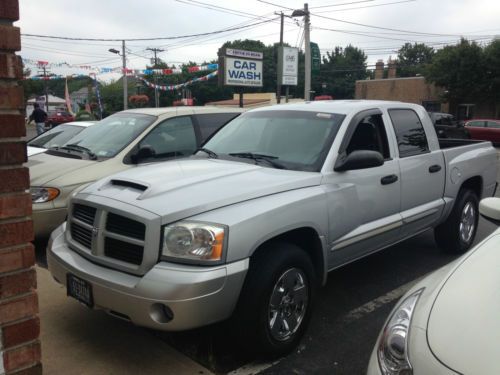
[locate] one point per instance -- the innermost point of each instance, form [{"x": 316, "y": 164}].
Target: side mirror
[
  {"x": 359, "y": 159},
  {"x": 144, "y": 152},
  {"x": 489, "y": 208}
]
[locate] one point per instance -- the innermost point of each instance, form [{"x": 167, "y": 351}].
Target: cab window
[
  {"x": 370, "y": 135},
  {"x": 409, "y": 132}
]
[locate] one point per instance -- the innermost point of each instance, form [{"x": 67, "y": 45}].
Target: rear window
[{"x": 409, "y": 132}]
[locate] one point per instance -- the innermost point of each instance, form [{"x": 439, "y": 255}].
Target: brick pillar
[
  {"x": 391, "y": 73},
  {"x": 19, "y": 324}
]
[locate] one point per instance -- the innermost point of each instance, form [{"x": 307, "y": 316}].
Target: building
[
  {"x": 55, "y": 103},
  {"x": 409, "y": 89},
  {"x": 252, "y": 100},
  {"x": 417, "y": 90}
]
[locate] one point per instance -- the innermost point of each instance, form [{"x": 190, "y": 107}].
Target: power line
[
  {"x": 337, "y": 5},
  {"x": 367, "y": 6},
  {"x": 148, "y": 39},
  {"x": 276, "y": 5}
]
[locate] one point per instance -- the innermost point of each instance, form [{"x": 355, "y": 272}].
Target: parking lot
[{"x": 349, "y": 312}]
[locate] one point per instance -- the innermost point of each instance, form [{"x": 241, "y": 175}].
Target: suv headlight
[
  {"x": 194, "y": 242},
  {"x": 43, "y": 194},
  {"x": 393, "y": 346}
]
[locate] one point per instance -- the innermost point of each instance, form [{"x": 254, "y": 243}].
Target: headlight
[
  {"x": 393, "y": 346},
  {"x": 193, "y": 242},
  {"x": 43, "y": 194}
]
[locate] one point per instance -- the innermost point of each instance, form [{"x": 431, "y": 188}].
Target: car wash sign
[{"x": 242, "y": 68}]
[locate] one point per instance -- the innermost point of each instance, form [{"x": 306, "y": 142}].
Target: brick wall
[
  {"x": 412, "y": 90},
  {"x": 19, "y": 323}
]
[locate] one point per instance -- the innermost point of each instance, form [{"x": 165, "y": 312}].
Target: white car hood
[
  {"x": 35, "y": 150},
  {"x": 464, "y": 324},
  {"x": 179, "y": 189}
]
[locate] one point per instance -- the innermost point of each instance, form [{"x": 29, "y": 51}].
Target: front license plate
[{"x": 79, "y": 289}]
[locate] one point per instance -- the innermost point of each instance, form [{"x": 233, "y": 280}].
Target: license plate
[{"x": 79, "y": 289}]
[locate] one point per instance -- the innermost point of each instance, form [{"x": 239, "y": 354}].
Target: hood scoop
[{"x": 129, "y": 184}]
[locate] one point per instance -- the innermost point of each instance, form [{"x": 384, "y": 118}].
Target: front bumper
[{"x": 196, "y": 296}]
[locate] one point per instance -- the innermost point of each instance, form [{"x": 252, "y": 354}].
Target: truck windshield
[
  {"x": 109, "y": 136},
  {"x": 297, "y": 140}
]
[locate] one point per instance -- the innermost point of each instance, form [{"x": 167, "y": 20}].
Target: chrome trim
[{"x": 340, "y": 244}]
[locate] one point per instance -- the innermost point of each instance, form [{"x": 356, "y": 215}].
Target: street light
[{"x": 124, "y": 67}]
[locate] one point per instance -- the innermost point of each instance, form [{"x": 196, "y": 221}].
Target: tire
[
  {"x": 457, "y": 233},
  {"x": 271, "y": 331}
]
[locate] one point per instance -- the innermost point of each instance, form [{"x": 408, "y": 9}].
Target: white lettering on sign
[
  {"x": 243, "y": 53},
  {"x": 242, "y": 72}
]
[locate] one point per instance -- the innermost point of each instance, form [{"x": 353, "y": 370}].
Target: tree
[
  {"x": 492, "y": 71},
  {"x": 339, "y": 71},
  {"x": 413, "y": 59},
  {"x": 461, "y": 69}
]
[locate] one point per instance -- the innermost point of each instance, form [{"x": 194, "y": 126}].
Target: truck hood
[
  {"x": 179, "y": 189},
  {"x": 463, "y": 325},
  {"x": 45, "y": 168}
]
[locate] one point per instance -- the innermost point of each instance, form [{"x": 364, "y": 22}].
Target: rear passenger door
[
  {"x": 422, "y": 173},
  {"x": 207, "y": 124}
]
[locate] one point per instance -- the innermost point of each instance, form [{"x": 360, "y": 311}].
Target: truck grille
[
  {"x": 87, "y": 227},
  {"x": 124, "y": 251},
  {"x": 81, "y": 235},
  {"x": 125, "y": 226},
  {"x": 84, "y": 213}
]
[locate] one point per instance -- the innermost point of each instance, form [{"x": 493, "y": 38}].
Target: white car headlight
[
  {"x": 194, "y": 242},
  {"x": 43, "y": 194},
  {"x": 392, "y": 350}
]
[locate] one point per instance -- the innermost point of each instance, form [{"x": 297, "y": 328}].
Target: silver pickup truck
[{"x": 251, "y": 225}]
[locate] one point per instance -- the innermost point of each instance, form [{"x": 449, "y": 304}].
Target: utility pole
[
  {"x": 157, "y": 96},
  {"x": 278, "y": 91},
  {"x": 307, "y": 47},
  {"x": 125, "y": 84},
  {"x": 45, "y": 86}
]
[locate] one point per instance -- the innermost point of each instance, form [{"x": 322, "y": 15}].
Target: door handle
[
  {"x": 388, "y": 179},
  {"x": 434, "y": 168}
]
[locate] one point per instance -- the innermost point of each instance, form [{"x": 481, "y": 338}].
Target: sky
[{"x": 379, "y": 27}]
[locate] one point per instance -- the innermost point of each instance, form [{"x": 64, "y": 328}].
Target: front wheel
[
  {"x": 457, "y": 233},
  {"x": 275, "y": 303}
]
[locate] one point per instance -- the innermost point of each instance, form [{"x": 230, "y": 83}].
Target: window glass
[
  {"x": 298, "y": 140},
  {"x": 111, "y": 135},
  {"x": 445, "y": 120},
  {"x": 409, "y": 132},
  {"x": 476, "y": 124},
  {"x": 209, "y": 123},
  {"x": 56, "y": 137},
  {"x": 370, "y": 135},
  {"x": 173, "y": 137},
  {"x": 494, "y": 124}
]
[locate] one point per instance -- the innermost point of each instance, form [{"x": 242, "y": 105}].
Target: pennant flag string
[{"x": 180, "y": 85}]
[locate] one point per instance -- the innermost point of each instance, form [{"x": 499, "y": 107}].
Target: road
[{"x": 348, "y": 315}]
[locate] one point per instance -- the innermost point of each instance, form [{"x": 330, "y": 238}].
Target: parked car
[
  {"x": 121, "y": 141},
  {"x": 56, "y": 137},
  {"x": 448, "y": 322},
  {"x": 250, "y": 225},
  {"x": 447, "y": 126},
  {"x": 484, "y": 129},
  {"x": 58, "y": 117}
]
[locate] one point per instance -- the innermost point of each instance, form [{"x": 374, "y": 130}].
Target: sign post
[{"x": 288, "y": 67}]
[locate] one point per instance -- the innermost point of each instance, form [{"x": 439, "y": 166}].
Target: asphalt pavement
[{"x": 348, "y": 315}]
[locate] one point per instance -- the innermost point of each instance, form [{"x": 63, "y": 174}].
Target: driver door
[{"x": 364, "y": 204}]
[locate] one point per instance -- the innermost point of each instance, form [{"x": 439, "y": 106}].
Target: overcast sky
[{"x": 411, "y": 21}]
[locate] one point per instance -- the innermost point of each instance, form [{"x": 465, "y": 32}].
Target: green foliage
[
  {"x": 461, "y": 69},
  {"x": 413, "y": 59},
  {"x": 492, "y": 70},
  {"x": 55, "y": 87},
  {"x": 339, "y": 71}
]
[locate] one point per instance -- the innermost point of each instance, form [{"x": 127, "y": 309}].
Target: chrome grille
[
  {"x": 125, "y": 226},
  {"x": 83, "y": 213},
  {"x": 122, "y": 250},
  {"x": 81, "y": 235}
]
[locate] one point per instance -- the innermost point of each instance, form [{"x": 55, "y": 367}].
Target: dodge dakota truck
[{"x": 250, "y": 225}]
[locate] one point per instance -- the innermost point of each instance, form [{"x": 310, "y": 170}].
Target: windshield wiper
[
  {"x": 210, "y": 153},
  {"x": 75, "y": 147},
  {"x": 270, "y": 159}
]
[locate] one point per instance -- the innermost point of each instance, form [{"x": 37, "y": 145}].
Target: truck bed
[{"x": 445, "y": 143}]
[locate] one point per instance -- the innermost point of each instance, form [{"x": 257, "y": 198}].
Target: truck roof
[
  {"x": 336, "y": 106},
  {"x": 182, "y": 110}
]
